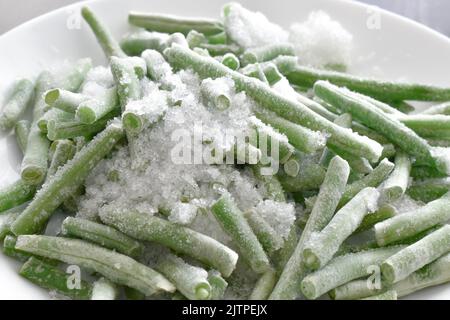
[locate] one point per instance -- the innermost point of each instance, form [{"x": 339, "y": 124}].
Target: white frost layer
[
  {"x": 280, "y": 216},
  {"x": 252, "y": 29},
  {"x": 321, "y": 41}
]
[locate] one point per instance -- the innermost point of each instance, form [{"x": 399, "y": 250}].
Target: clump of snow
[
  {"x": 183, "y": 213},
  {"x": 279, "y": 215},
  {"x": 251, "y": 29},
  {"x": 406, "y": 204},
  {"x": 321, "y": 41}
]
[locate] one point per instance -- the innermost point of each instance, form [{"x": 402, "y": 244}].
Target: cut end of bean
[
  {"x": 33, "y": 175},
  {"x": 311, "y": 259},
  {"x": 86, "y": 114},
  {"x": 132, "y": 123},
  {"x": 51, "y": 96},
  {"x": 222, "y": 102},
  {"x": 308, "y": 289},
  {"x": 203, "y": 292},
  {"x": 388, "y": 273}
]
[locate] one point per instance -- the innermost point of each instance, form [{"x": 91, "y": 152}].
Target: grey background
[{"x": 434, "y": 13}]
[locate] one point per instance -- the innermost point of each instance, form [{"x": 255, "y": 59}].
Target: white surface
[{"x": 399, "y": 49}]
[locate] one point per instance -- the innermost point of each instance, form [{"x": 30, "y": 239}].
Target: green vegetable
[
  {"x": 66, "y": 181},
  {"x": 51, "y": 278},
  {"x": 102, "y": 235},
  {"x": 233, "y": 223},
  {"x": 180, "y": 239},
  {"x": 16, "y": 104},
  {"x": 15, "y": 194},
  {"x": 114, "y": 266},
  {"x": 21, "y": 131}
]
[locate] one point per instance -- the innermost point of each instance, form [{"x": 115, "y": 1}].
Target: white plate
[{"x": 399, "y": 49}]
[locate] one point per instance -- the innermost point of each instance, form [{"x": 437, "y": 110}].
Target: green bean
[
  {"x": 114, "y": 266},
  {"x": 16, "y": 104},
  {"x": 21, "y": 131},
  {"x": 66, "y": 181},
  {"x": 9, "y": 249},
  {"x": 34, "y": 163},
  {"x": 64, "y": 100},
  {"x": 322, "y": 246},
  {"x": 288, "y": 285},
  {"x": 103, "y": 289},
  {"x": 302, "y": 138},
  {"x": 65, "y": 150},
  {"x": 104, "y": 37},
  {"x": 219, "y": 38},
  {"x": 343, "y": 269},
  {"x": 272, "y": 74},
  {"x": 429, "y": 126},
  {"x": 51, "y": 278},
  {"x": 395, "y": 185},
  {"x": 133, "y": 294},
  {"x": 358, "y": 164},
  {"x": 216, "y": 93},
  {"x": 353, "y": 290},
  {"x": 128, "y": 86},
  {"x": 92, "y": 110},
  {"x": 373, "y": 179},
  {"x": 378, "y": 89},
  {"x": 221, "y": 49},
  {"x": 423, "y": 172},
  {"x": 137, "y": 42},
  {"x": 266, "y": 235},
  {"x": 15, "y": 194},
  {"x": 395, "y": 131},
  {"x": 6, "y": 220},
  {"x": 284, "y": 107},
  {"x": 71, "y": 129},
  {"x": 231, "y": 61},
  {"x": 171, "y": 24},
  {"x": 305, "y": 176},
  {"x": 270, "y": 142},
  {"x": 430, "y": 275},
  {"x": 191, "y": 281},
  {"x": 102, "y": 235},
  {"x": 388, "y": 295},
  {"x": 443, "y": 108},
  {"x": 386, "y": 211},
  {"x": 380, "y": 105},
  {"x": 195, "y": 38},
  {"x": 429, "y": 189},
  {"x": 180, "y": 239},
  {"x": 218, "y": 285},
  {"x": 408, "y": 224},
  {"x": 254, "y": 71},
  {"x": 267, "y": 52},
  {"x": 264, "y": 286},
  {"x": 55, "y": 115},
  {"x": 412, "y": 258},
  {"x": 233, "y": 222}
]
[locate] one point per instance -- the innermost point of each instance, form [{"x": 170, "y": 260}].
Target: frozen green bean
[
  {"x": 171, "y": 23},
  {"x": 15, "y": 194},
  {"x": 64, "y": 100},
  {"x": 264, "y": 286},
  {"x": 322, "y": 245},
  {"x": 21, "y": 131},
  {"x": 51, "y": 278},
  {"x": 411, "y": 223},
  {"x": 343, "y": 269},
  {"x": 114, "y": 266},
  {"x": 388, "y": 295},
  {"x": 102, "y": 235},
  {"x": 266, "y": 235},
  {"x": 267, "y": 52},
  {"x": 231, "y": 61},
  {"x": 104, "y": 37},
  {"x": 417, "y": 255},
  {"x": 66, "y": 181},
  {"x": 218, "y": 285},
  {"x": 233, "y": 223},
  {"x": 64, "y": 151},
  {"x": 395, "y": 185},
  {"x": 178, "y": 238},
  {"x": 16, "y": 104},
  {"x": 429, "y": 189},
  {"x": 191, "y": 281},
  {"x": 288, "y": 285}
]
